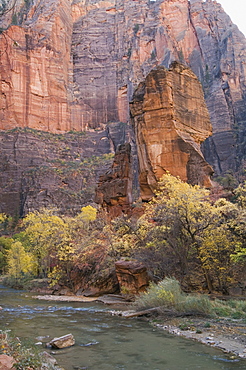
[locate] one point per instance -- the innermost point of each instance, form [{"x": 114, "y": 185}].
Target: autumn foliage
[{"x": 182, "y": 233}]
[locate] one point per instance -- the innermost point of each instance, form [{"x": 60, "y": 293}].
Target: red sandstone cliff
[
  {"x": 114, "y": 191},
  {"x": 35, "y": 68},
  {"x": 116, "y": 43}
]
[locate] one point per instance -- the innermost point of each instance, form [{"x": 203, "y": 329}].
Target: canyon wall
[
  {"x": 116, "y": 43},
  {"x": 114, "y": 190}
]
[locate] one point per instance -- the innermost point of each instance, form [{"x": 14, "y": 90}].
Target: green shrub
[
  {"x": 221, "y": 311},
  {"x": 237, "y": 315},
  {"x": 197, "y": 304},
  {"x": 237, "y": 304},
  {"x": 136, "y": 28},
  {"x": 168, "y": 294},
  {"x": 14, "y": 19},
  {"x": 236, "y": 309}
]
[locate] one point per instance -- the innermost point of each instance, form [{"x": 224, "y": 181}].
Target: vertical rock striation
[
  {"x": 35, "y": 67},
  {"x": 171, "y": 120}
]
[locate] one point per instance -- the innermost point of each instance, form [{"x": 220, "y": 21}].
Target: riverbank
[{"x": 228, "y": 335}]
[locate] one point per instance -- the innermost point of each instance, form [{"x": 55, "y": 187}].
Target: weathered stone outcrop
[
  {"x": 6, "y": 362},
  {"x": 132, "y": 276},
  {"x": 114, "y": 191},
  {"x": 171, "y": 120}
]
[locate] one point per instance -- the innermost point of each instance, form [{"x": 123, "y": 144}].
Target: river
[{"x": 103, "y": 341}]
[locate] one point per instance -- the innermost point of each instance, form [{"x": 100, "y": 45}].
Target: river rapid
[{"x": 103, "y": 341}]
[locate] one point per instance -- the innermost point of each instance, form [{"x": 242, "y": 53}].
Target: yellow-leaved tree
[
  {"x": 56, "y": 241},
  {"x": 48, "y": 238},
  {"x": 239, "y": 225},
  {"x": 88, "y": 214},
  {"x": 19, "y": 261},
  {"x": 182, "y": 219}
]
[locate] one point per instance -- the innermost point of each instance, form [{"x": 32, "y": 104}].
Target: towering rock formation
[
  {"x": 171, "y": 120},
  {"x": 116, "y": 43}
]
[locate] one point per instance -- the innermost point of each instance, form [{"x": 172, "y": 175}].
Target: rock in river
[{"x": 62, "y": 342}]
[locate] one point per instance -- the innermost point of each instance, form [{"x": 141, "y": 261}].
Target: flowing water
[{"x": 103, "y": 341}]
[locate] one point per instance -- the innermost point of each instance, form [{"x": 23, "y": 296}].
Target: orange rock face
[
  {"x": 171, "y": 120},
  {"x": 34, "y": 68},
  {"x": 6, "y": 362}
]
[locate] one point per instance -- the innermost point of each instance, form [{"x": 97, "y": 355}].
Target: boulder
[
  {"x": 47, "y": 359},
  {"x": 49, "y": 362},
  {"x": 6, "y": 362},
  {"x": 62, "y": 342},
  {"x": 132, "y": 276},
  {"x": 83, "y": 285}
]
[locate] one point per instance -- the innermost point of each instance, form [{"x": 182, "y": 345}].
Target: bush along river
[{"x": 103, "y": 341}]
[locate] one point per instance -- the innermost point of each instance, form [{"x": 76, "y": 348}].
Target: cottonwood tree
[
  {"x": 183, "y": 219},
  {"x": 48, "y": 238},
  {"x": 19, "y": 261},
  {"x": 55, "y": 241}
]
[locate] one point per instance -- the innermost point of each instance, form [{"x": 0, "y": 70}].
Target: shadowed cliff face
[
  {"x": 114, "y": 190},
  {"x": 39, "y": 169},
  {"x": 75, "y": 64},
  {"x": 171, "y": 119}
]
